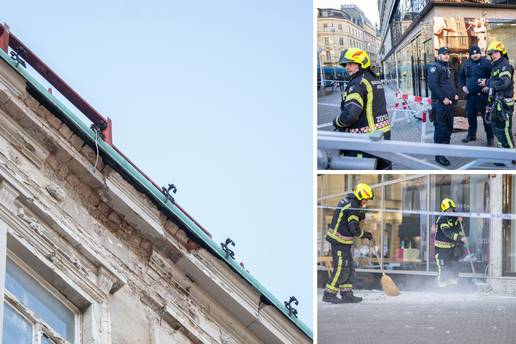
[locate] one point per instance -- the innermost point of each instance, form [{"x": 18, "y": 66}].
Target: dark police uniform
[
  {"x": 343, "y": 228},
  {"x": 363, "y": 110},
  {"x": 469, "y": 74},
  {"x": 447, "y": 241},
  {"x": 502, "y": 85},
  {"x": 442, "y": 84}
]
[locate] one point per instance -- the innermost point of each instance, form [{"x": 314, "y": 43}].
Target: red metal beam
[
  {"x": 4, "y": 38},
  {"x": 8, "y": 39},
  {"x": 60, "y": 85}
]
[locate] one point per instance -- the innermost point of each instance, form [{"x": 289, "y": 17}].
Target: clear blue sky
[{"x": 214, "y": 96}]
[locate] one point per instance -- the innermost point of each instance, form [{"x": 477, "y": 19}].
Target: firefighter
[
  {"x": 474, "y": 69},
  {"x": 448, "y": 241},
  {"x": 500, "y": 87},
  {"x": 344, "y": 227},
  {"x": 444, "y": 93},
  {"x": 363, "y": 108}
]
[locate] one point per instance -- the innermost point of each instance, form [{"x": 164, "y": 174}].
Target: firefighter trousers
[
  {"x": 343, "y": 273},
  {"x": 447, "y": 264},
  {"x": 503, "y": 130}
]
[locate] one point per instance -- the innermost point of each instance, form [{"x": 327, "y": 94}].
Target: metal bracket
[
  {"x": 96, "y": 128},
  {"x": 291, "y": 310},
  {"x": 15, "y": 55},
  {"x": 166, "y": 192},
  {"x": 225, "y": 248}
]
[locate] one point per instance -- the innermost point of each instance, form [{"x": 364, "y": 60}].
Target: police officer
[
  {"x": 363, "y": 108},
  {"x": 474, "y": 69},
  {"x": 444, "y": 93},
  {"x": 344, "y": 227},
  {"x": 500, "y": 87},
  {"x": 448, "y": 239}
]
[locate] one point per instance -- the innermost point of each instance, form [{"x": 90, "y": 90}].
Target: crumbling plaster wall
[{"x": 54, "y": 166}]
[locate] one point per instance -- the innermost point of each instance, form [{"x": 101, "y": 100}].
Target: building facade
[
  {"x": 413, "y": 30},
  {"x": 402, "y": 219},
  {"x": 339, "y": 29},
  {"x": 92, "y": 252}
]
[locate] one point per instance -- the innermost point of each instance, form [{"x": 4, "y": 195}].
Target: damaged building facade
[{"x": 93, "y": 252}]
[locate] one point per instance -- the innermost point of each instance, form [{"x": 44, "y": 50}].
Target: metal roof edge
[{"x": 153, "y": 192}]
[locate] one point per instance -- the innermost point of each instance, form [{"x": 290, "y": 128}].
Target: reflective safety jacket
[
  {"x": 363, "y": 108},
  {"x": 501, "y": 79},
  {"x": 345, "y": 223},
  {"x": 448, "y": 231}
]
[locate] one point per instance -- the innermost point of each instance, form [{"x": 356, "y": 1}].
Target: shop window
[{"x": 33, "y": 311}]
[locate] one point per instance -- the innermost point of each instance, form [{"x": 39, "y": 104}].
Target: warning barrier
[{"x": 419, "y": 108}]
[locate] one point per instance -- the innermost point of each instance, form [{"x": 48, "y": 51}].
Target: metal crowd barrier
[{"x": 401, "y": 152}]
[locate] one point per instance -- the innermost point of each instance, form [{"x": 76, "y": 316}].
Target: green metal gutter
[{"x": 142, "y": 183}]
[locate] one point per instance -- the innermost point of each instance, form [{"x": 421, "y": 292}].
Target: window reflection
[
  {"x": 16, "y": 329},
  {"x": 403, "y": 214}
]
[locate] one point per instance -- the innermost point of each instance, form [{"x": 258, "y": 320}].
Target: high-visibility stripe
[
  {"x": 355, "y": 96},
  {"x": 506, "y": 73},
  {"x": 332, "y": 289},
  {"x": 346, "y": 286},
  {"x": 508, "y": 135},
  {"x": 361, "y": 233},
  {"x": 353, "y": 218},
  {"x": 340, "y": 238},
  {"x": 444, "y": 244},
  {"x": 340, "y": 217},
  {"x": 339, "y": 123},
  {"x": 438, "y": 266},
  {"x": 445, "y": 225},
  {"x": 455, "y": 236},
  {"x": 360, "y": 155},
  {"x": 369, "y": 105},
  {"x": 339, "y": 270}
]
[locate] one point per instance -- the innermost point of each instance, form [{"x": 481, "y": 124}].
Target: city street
[
  {"x": 408, "y": 131},
  {"x": 417, "y": 317}
]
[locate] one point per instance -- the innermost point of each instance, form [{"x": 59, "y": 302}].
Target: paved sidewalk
[
  {"x": 408, "y": 131},
  {"x": 418, "y": 318}
]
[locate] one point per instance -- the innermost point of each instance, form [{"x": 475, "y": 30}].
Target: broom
[
  {"x": 468, "y": 251},
  {"x": 389, "y": 287}
]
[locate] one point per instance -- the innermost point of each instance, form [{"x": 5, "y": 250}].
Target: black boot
[
  {"x": 468, "y": 139},
  {"x": 331, "y": 298},
  {"x": 490, "y": 142},
  {"x": 348, "y": 297},
  {"x": 442, "y": 160}
]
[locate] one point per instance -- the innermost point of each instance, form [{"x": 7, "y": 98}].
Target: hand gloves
[
  {"x": 368, "y": 236},
  {"x": 361, "y": 216}
]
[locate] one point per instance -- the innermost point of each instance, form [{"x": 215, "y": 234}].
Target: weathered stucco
[{"x": 134, "y": 273}]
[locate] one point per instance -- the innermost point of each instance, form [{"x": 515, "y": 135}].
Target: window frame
[{"x": 40, "y": 327}]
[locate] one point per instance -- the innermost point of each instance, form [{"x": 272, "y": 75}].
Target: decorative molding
[
  {"x": 105, "y": 280},
  {"x": 137, "y": 209},
  {"x": 8, "y": 196}
]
